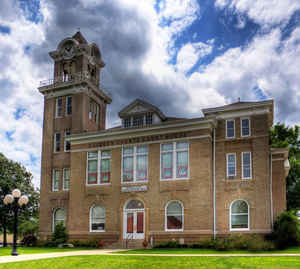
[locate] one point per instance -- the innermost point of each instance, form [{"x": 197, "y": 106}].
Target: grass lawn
[
  {"x": 204, "y": 251},
  {"x": 143, "y": 262},
  {"x": 35, "y": 250}
]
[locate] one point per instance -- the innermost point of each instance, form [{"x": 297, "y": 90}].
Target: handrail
[{"x": 129, "y": 236}]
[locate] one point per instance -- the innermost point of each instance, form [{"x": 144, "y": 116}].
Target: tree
[
  {"x": 14, "y": 175},
  {"x": 285, "y": 136}
]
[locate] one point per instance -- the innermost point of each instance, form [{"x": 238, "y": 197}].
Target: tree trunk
[{"x": 4, "y": 236}]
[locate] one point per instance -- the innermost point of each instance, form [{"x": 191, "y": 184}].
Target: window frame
[
  {"x": 54, "y": 179},
  {"x": 54, "y": 218},
  {"x": 56, "y": 107},
  {"x": 174, "y": 163},
  {"x": 247, "y": 118},
  {"x": 55, "y": 142},
  {"x": 64, "y": 186},
  {"x": 230, "y": 137},
  {"x": 134, "y": 155},
  {"x": 67, "y": 98},
  {"x": 242, "y": 160},
  {"x": 227, "y": 170},
  {"x": 90, "y": 219},
  {"x": 166, "y": 219},
  {"x": 230, "y": 214},
  {"x": 99, "y": 158},
  {"x": 65, "y": 142}
]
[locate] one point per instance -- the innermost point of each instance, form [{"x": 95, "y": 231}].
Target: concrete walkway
[{"x": 28, "y": 257}]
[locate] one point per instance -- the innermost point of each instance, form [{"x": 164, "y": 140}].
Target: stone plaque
[{"x": 134, "y": 188}]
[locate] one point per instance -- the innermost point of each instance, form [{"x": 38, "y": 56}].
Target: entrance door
[{"x": 134, "y": 219}]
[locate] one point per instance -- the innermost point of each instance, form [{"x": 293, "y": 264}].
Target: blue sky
[{"x": 181, "y": 55}]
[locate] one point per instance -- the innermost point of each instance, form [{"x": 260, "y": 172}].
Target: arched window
[
  {"x": 59, "y": 216},
  {"x": 174, "y": 216},
  {"x": 134, "y": 204},
  {"x": 97, "y": 219},
  {"x": 239, "y": 215}
]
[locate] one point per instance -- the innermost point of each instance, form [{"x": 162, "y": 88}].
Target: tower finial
[{"x": 239, "y": 99}]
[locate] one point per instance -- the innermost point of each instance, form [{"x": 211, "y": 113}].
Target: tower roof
[{"x": 80, "y": 38}]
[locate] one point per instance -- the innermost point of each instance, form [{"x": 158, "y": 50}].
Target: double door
[{"x": 134, "y": 224}]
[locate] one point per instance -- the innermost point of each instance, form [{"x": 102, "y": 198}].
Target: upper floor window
[
  {"x": 245, "y": 127},
  {"x": 127, "y": 122},
  {"x": 56, "y": 142},
  {"x": 94, "y": 113},
  {"x": 67, "y": 143},
  {"x": 59, "y": 216},
  {"x": 69, "y": 105},
  {"x": 98, "y": 167},
  {"x": 97, "y": 219},
  {"x": 58, "y": 109},
  {"x": 246, "y": 165},
  {"x": 135, "y": 164},
  {"x": 66, "y": 179},
  {"x": 138, "y": 120},
  {"x": 230, "y": 129},
  {"x": 231, "y": 165},
  {"x": 239, "y": 215},
  {"x": 55, "y": 180},
  {"x": 174, "y": 160},
  {"x": 149, "y": 118},
  {"x": 174, "y": 216}
]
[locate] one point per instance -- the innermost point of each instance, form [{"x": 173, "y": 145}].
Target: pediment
[{"x": 138, "y": 108}]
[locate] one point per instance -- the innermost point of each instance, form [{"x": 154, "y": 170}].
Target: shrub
[
  {"x": 60, "y": 235},
  {"x": 169, "y": 244},
  {"x": 286, "y": 230},
  {"x": 29, "y": 240}
]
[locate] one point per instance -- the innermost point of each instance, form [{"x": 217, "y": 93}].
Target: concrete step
[{"x": 130, "y": 244}]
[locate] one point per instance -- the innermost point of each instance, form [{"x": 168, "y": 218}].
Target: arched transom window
[
  {"x": 59, "y": 216},
  {"x": 174, "y": 216},
  {"x": 135, "y": 204},
  {"x": 239, "y": 215},
  {"x": 97, "y": 219}
]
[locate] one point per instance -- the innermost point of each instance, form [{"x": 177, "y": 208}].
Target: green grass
[
  {"x": 35, "y": 250},
  {"x": 143, "y": 262},
  {"x": 204, "y": 251}
]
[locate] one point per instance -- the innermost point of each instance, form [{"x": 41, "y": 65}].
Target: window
[
  {"x": 230, "y": 132},
  {"x": 58, "y": 111},
  {"x": 239, "y": 215},
  {"x": 94, "y": 113},
  {"x": 56, "y": 142},
  {"x": 174, "y": 216},
  {"x": 231, "y": 164},
  {"x": 69, "y": 105},
  {"x": 174, "y": 160},
  {"x": 91, "y": 110},
  {"x": 97, "y": 219},
  {"x": 135, "y": 164},
  {"x": 98, "y": 167},
  {"x": 127, "y": 122},
  {"x": 67, "y": 143},
  {"x": 55, "y": 180},
  {"x": 148, "y": 118},
  {"x": 246, "y": 165},
  {"x": 59, "y": 216},
  {"x": 97, "y": 114},
  {"x": 245, "y": 127},
  {"x": 138, "y": 120},
  {"x": 66, "y": 179}
]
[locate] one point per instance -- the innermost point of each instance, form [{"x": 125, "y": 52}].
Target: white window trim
[
  {"x": 53, "y": 179},
  {"x": 66, "y": 112},
  {"x": 99, "y": 158},
  {"x": 65, "y": 142},
  {"x": 56, "y": 107},
  {"x": 243, "y": 165},
  {"x": 166, "y": 223},
  {"x": 90, "y": 219},
  {"x": 135, "y": 154},
  {"x": 53, "y": 217},
  {"x": 239, "y": 229},
  {"x": 227, "y": 170},
  {"x": 231, "y": 137},
  {"x": 242, "y": 127},
  {"x": 64, "y": 188},
  {"x": 174, "y": 150}
]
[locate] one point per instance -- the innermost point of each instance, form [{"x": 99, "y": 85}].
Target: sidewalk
[{"x": 28, "y": 257}]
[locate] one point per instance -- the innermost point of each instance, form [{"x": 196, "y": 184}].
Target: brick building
[{"x": 155, "y": 176}]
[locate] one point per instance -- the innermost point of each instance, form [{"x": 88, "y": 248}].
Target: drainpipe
[
  {"x": 214, "y": 181},
  {"x": 271, "y": 187}
]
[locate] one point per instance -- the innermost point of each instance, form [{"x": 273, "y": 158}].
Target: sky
[{"x": 180, "y": 55}]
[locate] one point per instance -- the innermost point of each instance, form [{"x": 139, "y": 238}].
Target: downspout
[
  {"x": 214, "y": 181},
  {"x": 271, "y": 187}
]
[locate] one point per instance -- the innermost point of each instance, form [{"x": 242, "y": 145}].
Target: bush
[
  {"x": 169, "y": 244},
  {"x": 29, "y": 227},
  {"x": 286, "y": 230},
  {"x": 29, "y": 240},
  {"x": 92, "y": 243},
  {"x": 60, "y": 235}
]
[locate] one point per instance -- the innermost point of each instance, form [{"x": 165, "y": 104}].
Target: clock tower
[{"x": 74, "y": 102}]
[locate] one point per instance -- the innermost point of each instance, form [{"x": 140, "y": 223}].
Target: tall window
[
  {"x": 94, "y": 114},
  {"x": 174, "y": 216},
  {"x": 245, "y": 127},
  {"x": 175, "y": 160},
  {"x": 56, "y": 142},
  {"x": 127, "y": 122},
  {"x": 231, "y": 164},
  {"x": 246, "y": 165},
  {"x": 55, "y": 180},
  {"x": 97, "y": 219},
  {"x": 67, "y": 143},
  {"x": 66, "y": 179},
  {"x": 135, "y": 164},
  {"x": 58, "y": 110},
  {"x": 99, "y": 167},
  {"x": 138, "y": 120},
  {"x": 59, "y": 216},
  {"x": 239, "y": 215},
  {"x": 230, "y": 129},
  {"x": 69, "y": 105},
  {"x": 149, "y": 118}
]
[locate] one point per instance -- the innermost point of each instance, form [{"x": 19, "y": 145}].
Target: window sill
[
  {"x": 102, "y": 231},
  {"x": 239, "y": 230},
  {"x": 168, "y": 230},
  {"x": 238, "y": 179},
  {"x": 135, "y": 182},
  {"x": 101, "y": 184},
  {"x": 173, "y": 179}
]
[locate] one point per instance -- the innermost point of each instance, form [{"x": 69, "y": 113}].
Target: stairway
[{"x": 131, "y": 244}]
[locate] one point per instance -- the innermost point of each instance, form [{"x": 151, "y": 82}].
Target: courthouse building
[{"x": 154, "y": 177}]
